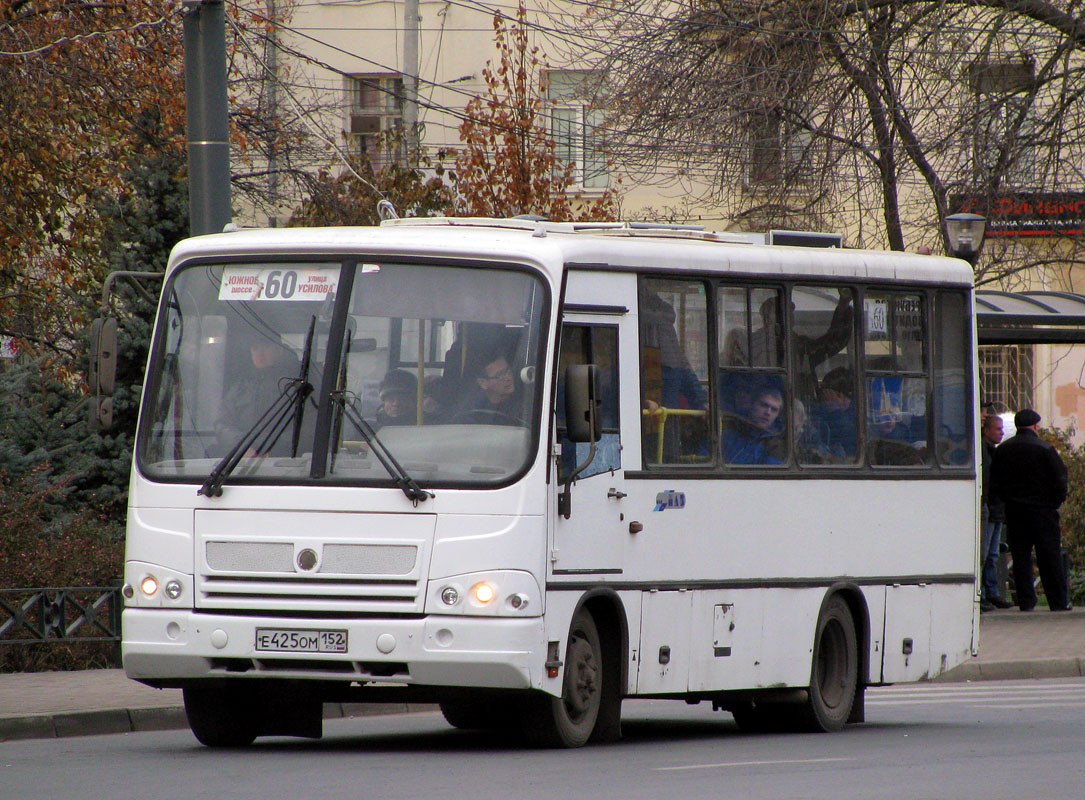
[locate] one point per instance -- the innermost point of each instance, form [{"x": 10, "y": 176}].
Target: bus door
[{"x": 591, "y": 539}]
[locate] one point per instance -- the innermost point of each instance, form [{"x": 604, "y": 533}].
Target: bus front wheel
[
  {"x": 221, "y": 717},
  {"x": 834, "y": 672},
  {"x": 568, "y": 721}
]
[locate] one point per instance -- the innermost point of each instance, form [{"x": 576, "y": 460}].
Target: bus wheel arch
[
  {"x": 589, "y": 708},
  {"x": 610, "y": 621}
]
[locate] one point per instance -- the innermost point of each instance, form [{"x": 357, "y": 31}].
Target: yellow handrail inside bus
[{"x": 660, "y": 413}]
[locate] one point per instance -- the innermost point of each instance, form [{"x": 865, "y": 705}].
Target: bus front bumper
[{"x": 168, "y": 646}]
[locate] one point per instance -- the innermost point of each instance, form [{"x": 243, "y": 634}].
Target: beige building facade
[{"x": 358, "y": 52}]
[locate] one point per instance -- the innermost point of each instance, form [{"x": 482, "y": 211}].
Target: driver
[
  {"x": 502, "y": 393},
  {"x": 254, "y": 390}
]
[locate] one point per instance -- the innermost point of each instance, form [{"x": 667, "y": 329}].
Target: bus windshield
[{"x": 358, "y": 373}]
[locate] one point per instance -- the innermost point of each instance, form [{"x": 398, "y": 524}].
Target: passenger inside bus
[
  {"x": 499, "y": 399},
  {"x": 399, "y": 399},
  {"x": 835, "y": 415},
  {"x": 757, "y": 437},
  {"x": 896, "y": 437}
]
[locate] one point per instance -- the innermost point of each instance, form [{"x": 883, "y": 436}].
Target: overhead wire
[{"x": 430, "y": 104}]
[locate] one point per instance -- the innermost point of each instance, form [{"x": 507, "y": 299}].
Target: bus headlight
[
  {"x": 483, "y": 593},
  {"x": 504, "y": 593},
  {"x": 450, "y": 595},
  {"x": 156, "y": 586}
]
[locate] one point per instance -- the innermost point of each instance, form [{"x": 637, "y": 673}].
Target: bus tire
[
  {"x": 834, "y": 671},
  {"x": 222, "y": 717},
  {"x": 569, "y": 720},
  {"x": 753, "y": 716},
  {"x": 478, "y": 711}
]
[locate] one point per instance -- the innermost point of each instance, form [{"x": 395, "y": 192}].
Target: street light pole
[{"x": 208, "y": 125}]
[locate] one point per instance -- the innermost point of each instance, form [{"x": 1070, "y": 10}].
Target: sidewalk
[{"x": 53, "y": 704}]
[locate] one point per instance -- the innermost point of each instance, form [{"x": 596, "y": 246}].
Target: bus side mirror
[
  {"x": 581, "y": 393},
  {"x": 103, "y": 371}
]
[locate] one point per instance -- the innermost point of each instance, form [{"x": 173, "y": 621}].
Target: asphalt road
[{"x": 992, "y": 739}]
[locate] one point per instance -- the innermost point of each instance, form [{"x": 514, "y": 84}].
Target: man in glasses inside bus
[
  {"x": 757, "y": 439},
  {"x": 501, "y": 402}
]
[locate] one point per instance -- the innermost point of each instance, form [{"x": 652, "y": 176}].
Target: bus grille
[{"x": 337, "y": 578}]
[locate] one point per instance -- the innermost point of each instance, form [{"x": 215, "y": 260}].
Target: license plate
[{"x": 287, "y": 640}]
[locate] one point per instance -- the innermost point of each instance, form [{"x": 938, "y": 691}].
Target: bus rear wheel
[
  {"x": 834, "y": 672},
  {"x": 568, "y": 721},
  {"x": 223, "y": 717}
]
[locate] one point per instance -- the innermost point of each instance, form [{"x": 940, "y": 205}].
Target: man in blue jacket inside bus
[{"x": 756, "y": 440}]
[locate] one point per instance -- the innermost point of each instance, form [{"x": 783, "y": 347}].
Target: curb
[
  {"x": 129, "y": 720},
  {"x": 1014, "y": 670}
]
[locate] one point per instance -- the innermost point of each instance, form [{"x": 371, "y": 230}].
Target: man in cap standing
[{"x": 1028, "y": 475}]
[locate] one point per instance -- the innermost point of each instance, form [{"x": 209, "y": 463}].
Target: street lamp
[{"x": 965, "y": 235}]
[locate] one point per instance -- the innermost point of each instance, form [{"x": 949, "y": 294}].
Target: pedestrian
[
  {"x": 1030, "y": 478},
  {"x": 992, "y": 517}
]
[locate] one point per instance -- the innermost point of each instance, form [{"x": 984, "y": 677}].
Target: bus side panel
[
  {"x": 666, "y": 642},
  {"x": 951, "y": 639},
  {"x": 907, "y": 633}
]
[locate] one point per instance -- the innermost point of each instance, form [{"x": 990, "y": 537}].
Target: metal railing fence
[{"x": 72, "y": 614}]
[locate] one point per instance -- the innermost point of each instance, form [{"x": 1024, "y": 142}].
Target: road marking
[
  {"x": 753, "y": 763},
  {"x": 983, "y": 686},
  {"x": 1018, "y": 707},
  {"x": 985, "y": 702},
  {"x": 986, "y": 695}
]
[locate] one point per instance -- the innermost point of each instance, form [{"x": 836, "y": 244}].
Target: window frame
[
  {"x": 577, "y": 129},
  {"x": 928, "y": 294}
]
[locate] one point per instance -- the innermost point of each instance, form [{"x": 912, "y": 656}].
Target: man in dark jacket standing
[{"x": 1028, "y": 475}]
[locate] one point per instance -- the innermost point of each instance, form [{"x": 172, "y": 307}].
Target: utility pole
[
  {"x": 208, "y": 126},
  {"x": 410, "y": 78}
]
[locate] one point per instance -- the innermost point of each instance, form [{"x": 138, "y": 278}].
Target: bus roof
[{"x": 552, "y": 246}]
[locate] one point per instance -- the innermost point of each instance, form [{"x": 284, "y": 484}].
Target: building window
[
  {"x": 374, "y": 108},
  {"x": 577, "y": 125},
  {"x": 1006, "y": 377},
  {"x": 1004, "y": 129},
  {"x": 779, "y": 147}
]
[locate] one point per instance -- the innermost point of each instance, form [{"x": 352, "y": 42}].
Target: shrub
[
  {"x": 1072, "y": 513},
  {"x": 43, "y": 545}
]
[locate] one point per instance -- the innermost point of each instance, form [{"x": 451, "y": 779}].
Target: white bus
[{"x": 526, "y": 470}]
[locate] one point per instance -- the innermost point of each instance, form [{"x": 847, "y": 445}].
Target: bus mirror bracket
[
  {"x": 581, "y": 393},
  {"x": 103, "y": 371},
  {"x": 102, "y": 374}
]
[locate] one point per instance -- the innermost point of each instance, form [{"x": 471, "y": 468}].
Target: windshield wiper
[
  {"x": 299, "y": 401},
  {"x": 409, "y": 486},
  {"x": 288, "y": 406}
]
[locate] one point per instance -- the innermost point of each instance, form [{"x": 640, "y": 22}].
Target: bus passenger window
[
  {"x": 752, "y": 381},
  {"x": 952, "y": 420},
  {"x": 824, "y": 420},
  {"x": 674, "y": 364},
  {"x": 896, "y": 384}
]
